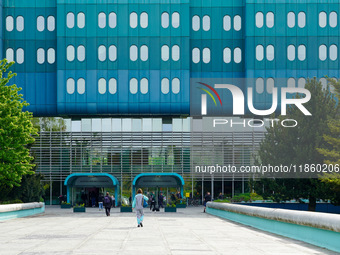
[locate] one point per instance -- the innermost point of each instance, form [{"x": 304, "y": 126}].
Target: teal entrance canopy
[
  {"x": 89, "y": 180},
  {"x": 161, "y": 180}
]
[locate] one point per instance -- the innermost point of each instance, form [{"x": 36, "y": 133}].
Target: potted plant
[
  {"x": 181, "y": 203},
  {"x": 79, "y": 208},
  {"x": 170, "y": 208},
  {"x": 65, "y": 205},
  {"x": 125, "y": 208}
]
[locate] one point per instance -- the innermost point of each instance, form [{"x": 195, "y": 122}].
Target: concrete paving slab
[{"x": 189, "y": 231}]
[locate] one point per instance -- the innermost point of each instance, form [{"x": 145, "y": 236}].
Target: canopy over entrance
[
  {"x": 160, "y": 180},
  {"x": 89, "y": 180}
]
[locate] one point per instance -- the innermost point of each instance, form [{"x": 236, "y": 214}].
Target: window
[
  {"x": 81, "y": 86},
  {"x": 20, "y": 24},
  {"x": 112, "y": 20},
  {"x": 237, "y": 23},
  {"x": 133, "y": 20},
  {"x": 333, "y": 19},
  {"x": 322, "y": 52},
  {"x": 291, "y": 52},
  {"x": 112, "y": 86},
  {"x": 322, "y": 19},
  {"x": 165, "y": 85},
  {"x": 10, "y": 54},
  {"x": 51, "y": 56},
  {"x": 144, "y": 20},
  {"x": 302, "y": 52},
  {"x": 175, "y": 20},
  {"x": 196, "y": 23},
  {"x": 70, "y": 86},
  {"x": 291, "y": 19},
  {"x": 206, "y": 55},
  {"x": 144, "y": 86},
  {"x": 50, "y": 23},
  {"x": 165, "y": 52},
  {"x": 102, "y": 86},
  {"x": 333, "y": 52},
  {"x": 133, "y": 53},
  {"x": 165, "y": 20},
  {"x": 259, "y": 52},
  {"x": 81, "y": 21},
  {"x": 70, "y": 53},
  {"x": 41, "y": 55},
  {"x": 81, "y": 53},
  {"x": 144, "y": 53},
  {"x": 40, "y": 23},
  {"x": 270, "y": 53},
  {"x": 196, "y": 55},
  {"x": 226, "y": 23},
  {"x": 70, "y": 20},
  {"x": 259, "y": 19},
  {"x": 291, "y": 83},
  {"x": 301, "y": 83},
  {"x": 206, "y": 23},
  {"x": 102, "y": 53},
  {"x": 20, "y": 56},
  {"x": 175, "y": 53},
  {"x": 113, "y": 53},
  {"x": 175, "y": 85},
  {"x": 237, "y": 55},
  {"x": 227, "y": 55},
  {"x": 9, "y": 23},
  {"x": 133, "y": 86},
  {"x": 301, "y": 19},
  {"x": 259, "y": 85},
  {"x": 270, "y": 85},
  {"x": 270, "y": 19},
  {"x": 101, "y": 20}
]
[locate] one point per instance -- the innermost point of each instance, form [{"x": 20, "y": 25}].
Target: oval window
[
  {"x": 259, "y": 86},
  {"x": 165, "y": 19},
  {"x": 165, "y": 85},
  {"x": 50, "y": 23},
  {"x": 175, "y": 53},
  {"x": 291, "y": 83},
  {"x": 133, "y": 20},
  {"x": 301, "y": 19},
  {"x": 227, "y": 55},
  {"x": 20, "y": 56},
  {"x": 70, "y": 53},
  {"x": 322, "y": 52},
  {"x": 291, "y": 52},
  {"x": 144, "y": 20},
  {"x": 81, "y": 53},
  {"x": 333, "y": 19},
  {"x": 291, "y": 19},
  {"x": 175, "y": 86},
  {"x": 206, "y": 55},
  {"x": 302, "y": 52},
  {"x": 259, "y": 19},
  {"x": 101, "y": 20},
  {"x": 102, "y": 86},
  {"x": 20, "y": 23},
  {"x": 301, "y": 83},
  {"x": 237, "y": 55},
  {"x": 196, "y": 55},
  {"x": 113, "y": 53},
  {"x": 270, "y": 85},
  {"x": 322, "y": 19},
  {"x": 70, "y": 20},
  {"x": 196, "y": 23},
  {"x": 9, "y": 23},
  {"x": 40, "y": 23},
  {"x": 40, "y": 55},
  {"x": 175, "y": 20},
  {"x": 144, "y": 53},
  {"x": 81, "y": 20},
  {"x": 112, "y": 20},
  {"x": 144, "y": 86},
  {"x": 259, "y": 52},
  {"x": 270, "y": 53},
  {"x": 51, "y": 56},
  {"x": 70, "y": 86},
  {"x": 133, "y": 53},
  {"x": 102, "y": 53},
  {"x": 237, "y": 23},
  {"x": 112, "y": 86},
  {"x": 81, "y": 86},
  {"x": 270, "y": 19},
  {"x": 226, "y": 23},
  {"x": 165, "y": 52},
  {"x": 333, "y": 52},
  {"x": 133, "y": 86},
  {"x": 206, "y": 23},
  {"x": 10, "y": 55}
]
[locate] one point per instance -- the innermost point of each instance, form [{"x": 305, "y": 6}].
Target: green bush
[
  {"x": 222, "y": 201},
  {"x": 15, "y": 201}
]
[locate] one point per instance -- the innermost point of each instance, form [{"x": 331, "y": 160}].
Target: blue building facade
[{"x": 119, "y": 57}]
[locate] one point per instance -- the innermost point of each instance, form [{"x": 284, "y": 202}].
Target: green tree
[
  {"x": 332, "y": 153},
  {"x": 298, "y": 146},
  {"x": 16, "y": 132}
]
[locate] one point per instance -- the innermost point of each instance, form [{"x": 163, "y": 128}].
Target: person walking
[
  {"x": 100, "y": 202},
  {"x": 107, "y": 203},
  {"x": 138, "y": 203},
  {"x": 207, "y": 198},
  {"x": 152, "y": 203},
  {"x": 160, "y": 200},
  {"x": 113, "y": 201}
]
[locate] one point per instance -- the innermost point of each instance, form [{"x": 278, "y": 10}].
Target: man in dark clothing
[
  {"x": 160, "y": 200},
  {"x": 107, "y": 203},
  {"x": 207, "y": 198},
  {"x": 152, "y": 202}
]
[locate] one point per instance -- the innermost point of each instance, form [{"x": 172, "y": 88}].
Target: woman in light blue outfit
[{"x": 137, "y": 203}]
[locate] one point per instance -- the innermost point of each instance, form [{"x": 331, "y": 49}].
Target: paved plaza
[{"x": 189, "y": 231}]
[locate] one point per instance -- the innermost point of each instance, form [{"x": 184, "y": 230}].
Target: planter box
[
  {"x": 170, "y": 209},
  {"x": 65, "y": 206},
  {"x": 181, "y": 206},
  {"x": 126, "y": 209},
  {"x": 79, "y": 209}
]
